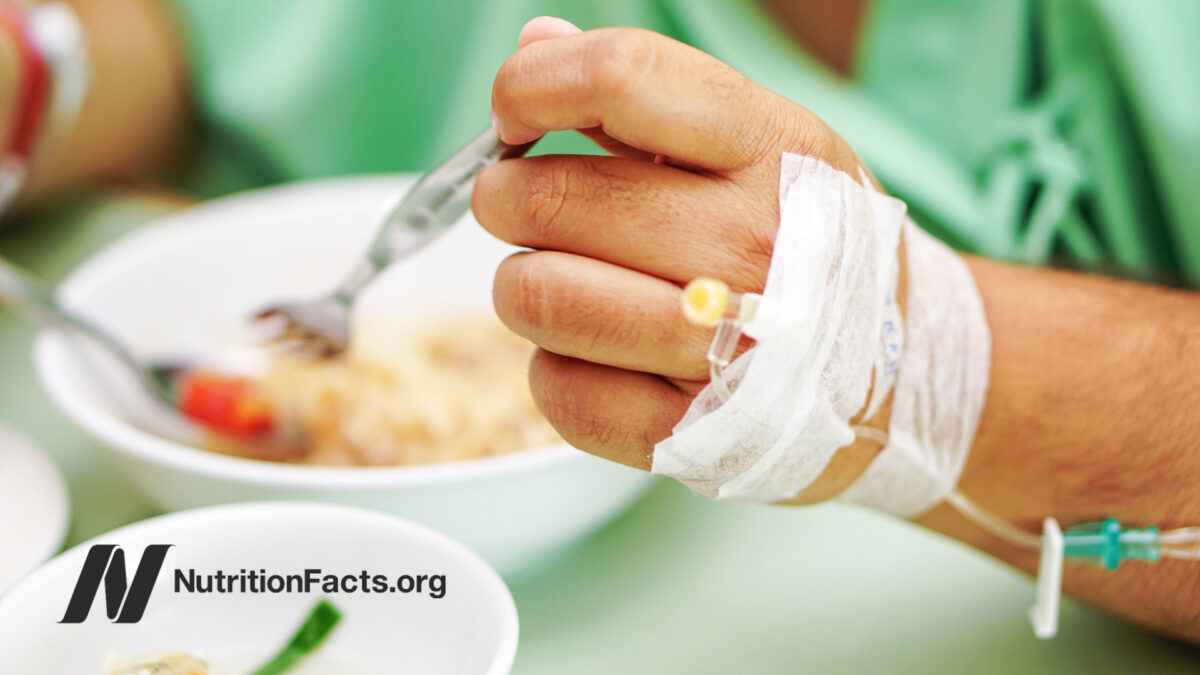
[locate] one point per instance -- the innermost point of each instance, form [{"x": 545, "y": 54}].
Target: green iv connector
[{"x": 1109, "y": 544}]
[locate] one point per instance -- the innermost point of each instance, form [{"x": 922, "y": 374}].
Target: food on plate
[
  {"x": 415, "y": 392},
  {"x": 157, "y": 663},
  {"x": 321, "y": 621}
]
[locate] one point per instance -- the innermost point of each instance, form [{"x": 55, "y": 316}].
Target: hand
[{"x": 692, "y": 190}]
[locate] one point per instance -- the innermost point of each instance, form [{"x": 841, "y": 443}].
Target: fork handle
[{"x": 430, "y": 207}]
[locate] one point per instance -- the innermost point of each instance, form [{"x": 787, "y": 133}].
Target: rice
[{"x": 411, "y": 393}]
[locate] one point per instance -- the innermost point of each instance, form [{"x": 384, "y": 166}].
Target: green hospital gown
[{"x": 1044, "y": 131}]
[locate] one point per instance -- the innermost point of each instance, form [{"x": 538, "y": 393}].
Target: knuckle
[
  {"x": 747, "y": 269},
  {"x": 692, "y": 364},
  {"x": 756, "y": 257},
  {"x": 774, "y": 133},
  {"x": 566, "y": 407},
  {"x": 787, "y": 127},
  {"x": 805, "y": 133},
  {"x": 723, "y": 81},
  {"x": 617, "y": 57},
  {"x": 530, "y": 295},
  {"x": 548, "y": 190},
  {"x": 746, "y": 261}
]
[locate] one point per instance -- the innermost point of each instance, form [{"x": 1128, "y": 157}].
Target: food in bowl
[
  {"x": 450, "y": 388},
  {"x": 321, "y": 621},
  {"x": 157, "y": 291}
]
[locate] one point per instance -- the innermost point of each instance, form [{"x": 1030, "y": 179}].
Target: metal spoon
[{"x": 25, "y": 295}]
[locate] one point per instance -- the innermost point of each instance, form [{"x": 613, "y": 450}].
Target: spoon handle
[
  {"x": 32, "y": 299},
  {"x": 28, "y": 297}
]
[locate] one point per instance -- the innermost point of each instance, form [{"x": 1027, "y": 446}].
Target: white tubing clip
[{"x": 1044, "y": 614}]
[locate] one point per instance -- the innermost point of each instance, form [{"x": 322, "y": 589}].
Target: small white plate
[
  {"x": 468, "y": 626},
  {"x": 34, "y": 508}
]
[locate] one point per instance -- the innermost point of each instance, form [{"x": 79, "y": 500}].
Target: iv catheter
[{"x": 709, "y": 302}]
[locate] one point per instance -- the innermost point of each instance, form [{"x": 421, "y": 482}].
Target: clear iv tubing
[
  {"x": 972, "y": 511},
  {"x": 1182, "y": 543},
  {"x": 708, "y": 302}
]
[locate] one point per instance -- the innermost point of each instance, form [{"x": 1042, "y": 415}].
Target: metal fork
[
  {"x": 26, "y": 296},
  {"x": 321, "y": 327}
]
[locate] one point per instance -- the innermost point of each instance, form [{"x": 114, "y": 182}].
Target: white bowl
[
  {"x": 472, "y": 628},
  {"x": 34, "y": 507},
  {"x": 195, "y": 276}
]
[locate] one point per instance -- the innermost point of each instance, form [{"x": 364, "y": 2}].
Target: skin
[
  {"x": 1090, "y": 408},
  {"x": 8, "y": 82},
  {"x": 828, "y": 29},
  {"x": 133, "y": 122},
  {"x": 1078, "y": 424},
  {"x": 1090, "y": 414}
]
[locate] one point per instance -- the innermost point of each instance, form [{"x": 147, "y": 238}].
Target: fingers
[
  {"x": 614, "y": 147},
  {"x": 548, "y": 28},
  {"x": 643, "y": 89},
  {"x": 545, "y": 28},
  {"x": 656, "y": 219},
  {"x": 609, "y": 412},
  {"x": 587, "y": 309}
]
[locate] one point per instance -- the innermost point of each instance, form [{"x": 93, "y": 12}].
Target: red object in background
[
  {"x": 32, "y": 91},
  {"x": 231, "y": 405}
]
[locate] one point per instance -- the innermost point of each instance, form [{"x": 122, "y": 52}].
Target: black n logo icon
[{"x": 125, "y": 602}]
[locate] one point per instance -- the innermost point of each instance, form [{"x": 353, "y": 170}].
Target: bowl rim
[
  {"x": 498, "y": 595},
  {"x": 125, "y": 438},
  {"x": 122, "y": 437}
]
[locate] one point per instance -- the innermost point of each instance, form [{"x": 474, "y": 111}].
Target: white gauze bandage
[
  {"x": 941, "y": 387},
  {"x": 827, "y": 331}
]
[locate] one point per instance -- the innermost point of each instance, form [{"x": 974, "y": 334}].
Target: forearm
[
  {"x": 9, "y": 66},
  {"x": 1091, "y": 412},
  {"x": 134, "y": 113}
]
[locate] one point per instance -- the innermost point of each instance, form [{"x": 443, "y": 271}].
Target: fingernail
[
  {"x": 496, "y": 125},
  {"x": 514, "y": 138}
]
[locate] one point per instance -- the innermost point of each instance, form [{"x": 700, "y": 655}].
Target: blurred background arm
[
  {"x": 134, "y": 117},
  {"x": 826, "y": 29}
]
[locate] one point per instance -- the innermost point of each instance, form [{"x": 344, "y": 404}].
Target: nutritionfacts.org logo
[
  {"x": 125, "y": 599},
  {"x": 125, "y": 602},
  {"x": 308, "y": 581}
]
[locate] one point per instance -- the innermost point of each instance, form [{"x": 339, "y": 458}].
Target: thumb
[{"x": 545, "y": 28}]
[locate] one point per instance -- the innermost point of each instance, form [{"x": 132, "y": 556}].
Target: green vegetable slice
[{"x": 321, "y": 621}]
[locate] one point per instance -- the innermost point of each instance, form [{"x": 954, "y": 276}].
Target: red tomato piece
[{"x": 231, "y": 405}]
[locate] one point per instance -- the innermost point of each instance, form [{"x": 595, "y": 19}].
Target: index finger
[{"x": 643, "y": 89}]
